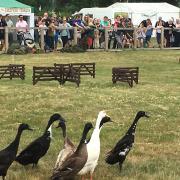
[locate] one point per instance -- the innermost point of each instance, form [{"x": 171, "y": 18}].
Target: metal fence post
[{"x": 6, "y": 39}]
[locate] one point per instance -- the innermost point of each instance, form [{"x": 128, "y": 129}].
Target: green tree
[{"x": 70, "y": 6}]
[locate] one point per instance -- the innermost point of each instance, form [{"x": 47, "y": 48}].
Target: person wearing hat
[
  {"x": 2, "y": 31},
  {"x": 9, "y": 25}
]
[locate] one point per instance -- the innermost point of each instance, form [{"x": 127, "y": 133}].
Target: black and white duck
[
  {"x": 8, "y": 155},
  {"x": 73, "y": 164},
  {"x": 39, "y": 147},
  {"x": 68, "y": 148},
  {"x": 120, "y": 151},
  {"x": 93, "y": 146}
]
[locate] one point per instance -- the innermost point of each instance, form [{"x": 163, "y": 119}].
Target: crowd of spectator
[{"x": 91, "y": 31}]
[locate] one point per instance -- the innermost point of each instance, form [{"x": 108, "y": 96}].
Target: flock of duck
[{"x": 72, "y": 160}]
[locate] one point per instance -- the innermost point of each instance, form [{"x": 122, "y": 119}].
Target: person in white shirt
[
  {"x": 21, "y": 26},
  {"x": 9, "y": 25}
]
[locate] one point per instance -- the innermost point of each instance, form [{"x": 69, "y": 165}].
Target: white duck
[{"x": 93, "y": 146}]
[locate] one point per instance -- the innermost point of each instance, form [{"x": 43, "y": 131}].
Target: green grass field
[{"x": 156, "y": 152}]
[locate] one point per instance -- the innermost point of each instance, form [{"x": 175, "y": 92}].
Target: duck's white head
[{"x": 101, "y": 119}]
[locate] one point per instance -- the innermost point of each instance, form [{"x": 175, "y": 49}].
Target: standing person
[
  {"x": 129, "y": 33},
  {"x": 46, "y": 18},
  {"x": 169, "y": 33},
  {"x": 79, "y": 23},
  {"x": 104, "y": 24},
  {"x": 159, "y": 24},
  {"x": 141, "y": 35},
  {"x": 2, "y": 31},
  {"x": 118, "y": 33},
  {"x": 97, "y": 23},
  {"x": 80, "y": 28},
  {"x": 56, "y": 35},
  {"x": 42, "y": 24},
  {"x": 90, "y": 33},
  {"x": 65, "y": 33},
  {"x": 86, "y": 20},
  {"x": 21, "y": 27},
  {"x": 9, "y": 25},
  {"x": 149, "y": 30},
  {"x": 51, "y": 33},
  {"x": 47, "y": 23},
  {"x": 36, "y": 33},
  {"x": 96, "y": 39},
  {"x": 177, "y": 34},
  {"x": 115, "y": 26}
]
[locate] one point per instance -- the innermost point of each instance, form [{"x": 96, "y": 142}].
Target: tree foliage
[{"x": 70, "y": 6}]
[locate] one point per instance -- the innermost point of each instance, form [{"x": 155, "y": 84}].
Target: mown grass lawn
[{"x": 156, "y": 154}]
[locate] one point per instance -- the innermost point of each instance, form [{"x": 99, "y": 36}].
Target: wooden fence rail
[
  {"x": 75, "y": 39},
  {"x": 125, "y": 74},
  {"x": 46, "y": 74},
  {"x": 12, "y": 71}
]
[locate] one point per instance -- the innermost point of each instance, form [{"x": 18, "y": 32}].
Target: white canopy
[
  {"x": 136, "y": 11},
  {"x": 15, "y": 8}
]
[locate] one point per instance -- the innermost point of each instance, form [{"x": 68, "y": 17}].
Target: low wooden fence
[
  {"x": 125, "y": 74},
  {"x": 83, "y": 68},
  {"x": 71, "y": 72},
  {"x": 68, "y": 73},
  {"x": 75, "y": 35},
  {"x": 12, "y": 71},
  {"x": 46, "y": 74}
]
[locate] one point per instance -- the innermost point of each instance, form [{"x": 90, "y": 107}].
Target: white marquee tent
[{"x": 136, "y": 11}]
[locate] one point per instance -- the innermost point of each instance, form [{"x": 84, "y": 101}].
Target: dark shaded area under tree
[{"x": 70, "y": 6}]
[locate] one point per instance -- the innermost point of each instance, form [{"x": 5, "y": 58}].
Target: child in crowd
[
  {"x": 149, "y": 31},
  {"x": 141, "y": 35},
  {"x": 96, "y": 39}
]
